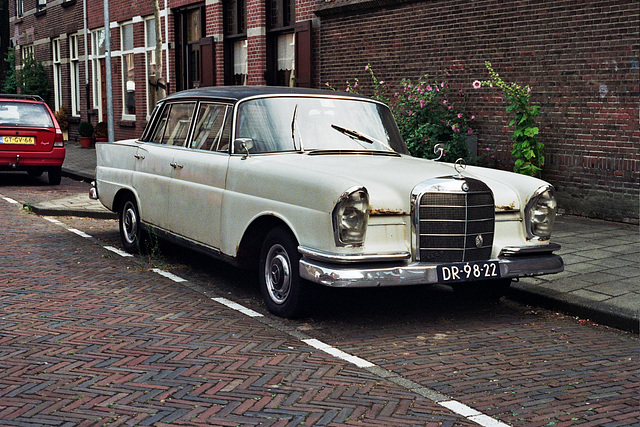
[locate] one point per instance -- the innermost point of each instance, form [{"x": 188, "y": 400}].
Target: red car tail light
[{"x": 59, "y": 139}]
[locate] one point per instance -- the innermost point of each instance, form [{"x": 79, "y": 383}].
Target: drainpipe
[
  {"x": 86, "y": 58},
  {"x": 107, "y": 42}
]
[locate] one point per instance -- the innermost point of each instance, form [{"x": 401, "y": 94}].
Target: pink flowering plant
[
  {"x": 526, "y": 149},
  {"x": 428, "y": 112}
]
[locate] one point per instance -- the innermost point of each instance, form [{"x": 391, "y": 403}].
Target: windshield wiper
[
  {"x": 359, "y": 136},
  {"x": 294, "y": 122}
]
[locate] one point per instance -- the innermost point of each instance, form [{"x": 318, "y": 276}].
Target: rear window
[{"x": 24, "y": 114}]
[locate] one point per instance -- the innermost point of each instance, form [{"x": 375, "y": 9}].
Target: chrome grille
[{"x": 450, "y": 221}]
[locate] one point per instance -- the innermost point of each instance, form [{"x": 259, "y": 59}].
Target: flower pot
[
  {"x": 85, "y": 141},
  {"x": 102, "y": 139}
]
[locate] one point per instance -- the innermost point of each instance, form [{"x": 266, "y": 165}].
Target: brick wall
[{"x": 580, "y": 57}]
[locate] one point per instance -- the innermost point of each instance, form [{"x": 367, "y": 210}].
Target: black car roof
[{"x": 238, "y": 93}]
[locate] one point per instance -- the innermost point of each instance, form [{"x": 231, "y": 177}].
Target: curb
[
  {"x": 43, "y": 211},
  {"x": 597, "y": 311}
]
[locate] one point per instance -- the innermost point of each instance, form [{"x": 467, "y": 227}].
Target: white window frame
[
  {"x": 26, "y": 51},
  {"x": 96, "y": 55},
  {"x": 56, "y": 60},
  {"x": 41, "y": 3},
  {"x": 19, "y": 8},
  {"x": 74, "y": 71},
  {"x": 127, "y": 51}
]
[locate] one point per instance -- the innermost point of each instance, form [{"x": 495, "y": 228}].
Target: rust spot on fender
[
  {"x": 510, "y": 207},
  {"x": 383, "y": 211}
]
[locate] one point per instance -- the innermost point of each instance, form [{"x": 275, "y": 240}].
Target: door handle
[
  {"x": 176, "y": 165},
  {"x": 138, "y": 156}
]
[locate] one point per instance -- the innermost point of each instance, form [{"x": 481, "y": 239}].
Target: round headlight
[
  {"x": 541, "y": 213},
  {"x": 350, "y": 217}
]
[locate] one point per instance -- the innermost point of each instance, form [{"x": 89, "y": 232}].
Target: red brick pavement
[{"x": 87, "y": 338}]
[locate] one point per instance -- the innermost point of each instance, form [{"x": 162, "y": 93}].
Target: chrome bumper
[{"x": 374, "y": 275}]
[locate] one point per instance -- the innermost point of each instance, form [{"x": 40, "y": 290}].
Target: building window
[
  {"x": 151, "y": 64},
  {"x": 280, "y": 42},
  {"x": 128, "y": 70},
  {"x": 26, "y": 53},
  {"x": 190, "y": 28},
  {"x": 74, "y": 69},
  {"x": 19, "y": 8},
  {"x": 41, "y": 3},
  {"x": 57, "y": 73},
  {"x": 235, "y": 32},
  {"x": 98, "y": 70}
]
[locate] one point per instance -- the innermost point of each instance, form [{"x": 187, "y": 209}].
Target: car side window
[
  {"x": 209, "y": 127},
  {"x": 173, "y": 124}
]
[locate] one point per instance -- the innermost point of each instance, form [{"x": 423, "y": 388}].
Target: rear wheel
[
  {"x": 55, "y": 175},
  {"x": 34, "y": 173},
  {"x": 282, "y": 289},
  {"x": 131, "y": 232}
]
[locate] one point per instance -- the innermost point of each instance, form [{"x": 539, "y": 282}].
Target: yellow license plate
[{"x": 17, "y": 140}]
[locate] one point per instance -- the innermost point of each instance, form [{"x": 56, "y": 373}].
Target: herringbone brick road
[{"x": 89, "y": 338}]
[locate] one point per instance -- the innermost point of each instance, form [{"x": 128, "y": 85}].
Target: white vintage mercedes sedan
[{"x": 316, "y": 187}]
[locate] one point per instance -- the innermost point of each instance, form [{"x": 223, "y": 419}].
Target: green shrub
[{"x": 85, "y": 129}]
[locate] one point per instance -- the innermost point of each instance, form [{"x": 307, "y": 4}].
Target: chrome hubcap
[
  {"x": 278, "y": 274},
  {"x": 129, "y": 223}
]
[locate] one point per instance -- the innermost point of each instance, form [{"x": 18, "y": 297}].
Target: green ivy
[{"x": 527, "y": 150}]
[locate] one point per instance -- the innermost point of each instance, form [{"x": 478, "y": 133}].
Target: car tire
[
  {"x": 283, "y": 291},
  {"x": 131, "y": 233},
  {"x": 55, "y": 175},
  {"x": 485, "y": 290},
  {"x": 35, "y": 173}
]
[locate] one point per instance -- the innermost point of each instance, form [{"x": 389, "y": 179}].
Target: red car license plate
[
  {"x": 466, "y": 271},
  {"x": 28, "y": 140}
]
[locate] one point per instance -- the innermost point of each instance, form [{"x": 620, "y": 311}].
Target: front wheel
[
  {"x": 131, "y": 232},
  {"x": 283, "y": 291}
]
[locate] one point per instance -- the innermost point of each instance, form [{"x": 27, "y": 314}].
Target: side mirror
[
  {"x": 438, "y": 150},
  {"x": 243, "y": 145}
]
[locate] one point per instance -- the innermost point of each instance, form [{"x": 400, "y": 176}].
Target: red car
[{"x": 30, "y": 137}]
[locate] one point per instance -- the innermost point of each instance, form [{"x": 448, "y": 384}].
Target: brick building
[
  {"x": 204, "y": 43},
  {"x": 580, "y": 56}
]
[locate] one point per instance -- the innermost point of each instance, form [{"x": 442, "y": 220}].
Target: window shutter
[
  {"x": 304, "y": 51},
  {"x": 207, "y": 61}
]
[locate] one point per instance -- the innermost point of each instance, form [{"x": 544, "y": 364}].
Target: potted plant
[
  {"x": 62, "y": 117},
  {"x": 85, "y": 130},
  {"x": 102, "y": 132}
]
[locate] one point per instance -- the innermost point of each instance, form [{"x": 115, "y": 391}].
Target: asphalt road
[{"x": 89, "y": 336}]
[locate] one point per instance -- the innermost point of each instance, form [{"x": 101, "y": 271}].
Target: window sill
[
  {"x": 41, "y": 12},
  {"x": 68, "y": 3},
  {"x": 126, "y": 123}
]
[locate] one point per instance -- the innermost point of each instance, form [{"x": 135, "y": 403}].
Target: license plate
[
  {"x": 29, "y": 140},
  {"x": 466, "y": 271}
]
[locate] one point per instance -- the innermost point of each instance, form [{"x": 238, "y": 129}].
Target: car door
[
  {"x": 199, "y": 177},
  {"x": 155, "y": 163}
]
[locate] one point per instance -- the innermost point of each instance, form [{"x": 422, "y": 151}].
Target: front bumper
[{"x": 375, "y": 275}]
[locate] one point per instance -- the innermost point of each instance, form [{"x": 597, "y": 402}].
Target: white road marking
[
  {"x": 9, "y": 199},
  {"x": 168, "y": 275},
  {"x": 360, "y": 363},
  {"x": 238, "y": 307},
  {"x": 79, "y": 233},
  {"x": 117, "y": 251}
]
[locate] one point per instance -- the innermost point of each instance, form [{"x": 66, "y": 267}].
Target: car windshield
[
  {"x": 24, "y": 114},
  {"x": 316, "y": 123}
]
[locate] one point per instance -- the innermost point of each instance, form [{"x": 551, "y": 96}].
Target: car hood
[{"x": 389, "y": 180}]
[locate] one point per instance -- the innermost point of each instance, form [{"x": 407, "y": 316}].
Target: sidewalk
[{"x": 601, "y": 281}]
